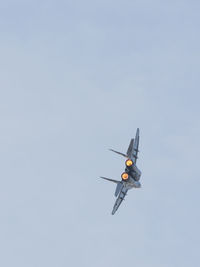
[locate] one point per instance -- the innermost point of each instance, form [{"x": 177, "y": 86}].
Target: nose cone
[{"x": 114, "y": 210}]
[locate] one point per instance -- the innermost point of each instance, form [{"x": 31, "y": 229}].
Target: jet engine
[
  {"x": 129, "y": 163},
  {"x": 124, "y": 176},
  {"x": 132, "y": 170}
]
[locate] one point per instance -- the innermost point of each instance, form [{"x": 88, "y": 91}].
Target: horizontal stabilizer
[
  {"x": 111, "y": 180},
  {"x": 122, "y": 154}
]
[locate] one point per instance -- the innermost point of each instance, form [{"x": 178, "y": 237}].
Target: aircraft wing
[{"x": 120, "y": 198}]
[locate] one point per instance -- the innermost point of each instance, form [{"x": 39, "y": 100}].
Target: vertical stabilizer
[
  {"x": 136, "y": 145},
  {"x": 130, "y": 148}
]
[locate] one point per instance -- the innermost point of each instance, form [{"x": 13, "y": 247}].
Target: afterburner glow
[
  {"x": 124, "y": 176},
  {"x": 129, "y": 162}
]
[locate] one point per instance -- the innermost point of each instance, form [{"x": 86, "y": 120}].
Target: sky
[{"x": 77, "y": 78}]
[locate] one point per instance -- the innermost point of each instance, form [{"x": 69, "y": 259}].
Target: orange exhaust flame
[
  {"x": 129, "y": 163},
  {"x": 124, "y": 176}
]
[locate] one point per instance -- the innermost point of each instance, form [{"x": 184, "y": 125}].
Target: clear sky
[{"x": 76, "y": 78}]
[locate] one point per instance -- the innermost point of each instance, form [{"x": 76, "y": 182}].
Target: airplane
[{"x": 131, "y": 176}]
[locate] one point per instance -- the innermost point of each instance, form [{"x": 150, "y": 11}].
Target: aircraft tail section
[
  {"x": 132, "y": 151},
  {"x": 130, "y": 148},
  {"x": 136, "y": 146}
]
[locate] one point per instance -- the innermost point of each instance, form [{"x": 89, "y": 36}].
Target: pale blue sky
[{"x": 77, "y": 78}]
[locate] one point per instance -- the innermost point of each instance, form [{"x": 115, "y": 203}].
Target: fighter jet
[{"x": 131, "y": 176}]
